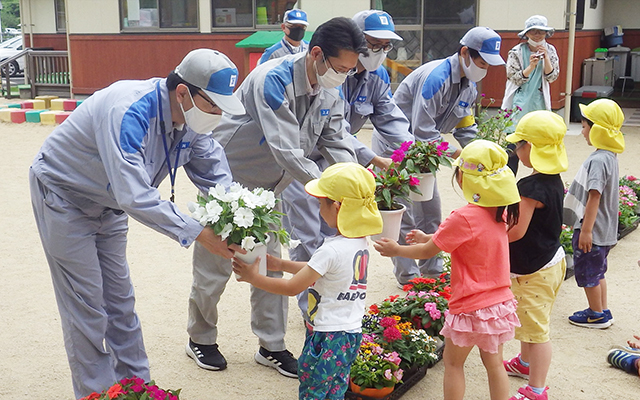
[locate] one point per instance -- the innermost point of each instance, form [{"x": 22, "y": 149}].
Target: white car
[{"x": 10, "y": 48}]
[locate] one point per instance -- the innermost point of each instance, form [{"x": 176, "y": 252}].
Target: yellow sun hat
[
  {"x": 353, "y": 186},
  {"x": 545, "y": 131},
  {"x": 486, "y": 179},
  {"x": 607, "y": 118}
]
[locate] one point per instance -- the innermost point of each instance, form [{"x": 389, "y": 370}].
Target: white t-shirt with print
[{"x": 337, "y": 299}]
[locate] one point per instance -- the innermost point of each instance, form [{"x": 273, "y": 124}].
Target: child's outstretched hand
[
  {"x": 417, "y": 236},
  {"x": 245, "y": 272},
  {"x": 634, "y": 343},
  {"x": 386, "y": 247}
]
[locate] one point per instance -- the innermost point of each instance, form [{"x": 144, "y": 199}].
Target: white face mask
[
  {"x": 472, "y": 72},
  {"x": 374, "y": 60},
  {"x": 198, "y": 120},
  {"x": 331, "y": 78},
  {"x": 533, "y": 43}
]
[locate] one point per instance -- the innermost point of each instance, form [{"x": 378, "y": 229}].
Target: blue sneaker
[
  {"x": 607, "y": 312},
  {"x": 590, "y": 319},
  {"x": 623, "y": 360}
]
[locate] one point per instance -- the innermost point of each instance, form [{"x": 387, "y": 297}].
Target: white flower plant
[{"x": 239, "y": 215}]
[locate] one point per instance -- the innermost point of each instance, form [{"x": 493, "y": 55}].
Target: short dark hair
[
  {"x": 173, "y": 80},
  {"x": 337, "y": 34},
  {"x": 587, "y": 120},
  {"x": 472, "y": 52}
]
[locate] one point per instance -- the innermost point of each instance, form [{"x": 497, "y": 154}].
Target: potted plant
[
  {"x": 375, "y": 372},
  {"x": 425, "y": 304},
  {"x": 134, "y": 389},
  {"x": 494, "y": 127},
  {"x": 243, "y": 217},
  {"x": 627, "y": 217},
  {"x": 415, "y": 347},
  {"x": 392, "y": 183},
  {"x": 566, "y": 241},
  {"x": 633, "y": 183},
  {"x": 422, "y": 160}
]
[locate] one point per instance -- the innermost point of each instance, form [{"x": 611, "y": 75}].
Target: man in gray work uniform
[
  {"x": 438, "y": 98},
  {"x": 292, "y": 107},
  {"x": 104, "y": 164}
]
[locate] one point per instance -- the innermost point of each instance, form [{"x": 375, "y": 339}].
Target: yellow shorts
[{"x": 536, "y": 293}]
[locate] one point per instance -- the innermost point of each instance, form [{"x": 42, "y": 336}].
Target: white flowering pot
[
  {"x": 426, "y": 185},
  {"x": 259, "y": 251},
  {"x": 391, "y": 221}
]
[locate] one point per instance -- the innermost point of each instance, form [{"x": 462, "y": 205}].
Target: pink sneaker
[
  {"x": 525, "y": 393},
  {"x": 514, "y": 368}
]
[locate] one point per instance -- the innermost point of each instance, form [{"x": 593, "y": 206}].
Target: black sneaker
[
  {"x": 283, "y": 361},
  {"x": 206, "y": 356}
]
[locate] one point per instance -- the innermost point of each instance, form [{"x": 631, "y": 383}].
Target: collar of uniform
[
  {"x": 166, "y": 109},
  {"x": 301, "y": 84},
  {"x": 454, "y": 60}
]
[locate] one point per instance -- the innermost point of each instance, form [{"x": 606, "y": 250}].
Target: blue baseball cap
[
  {"x": 215, "y": 74},
  {"x": 377, "y": 24},
  {"x": 296, "y": 17},
  {"x": 486, "y": 41}
]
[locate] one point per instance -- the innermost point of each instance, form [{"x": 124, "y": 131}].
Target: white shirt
[{"x": 337, "y": 299}]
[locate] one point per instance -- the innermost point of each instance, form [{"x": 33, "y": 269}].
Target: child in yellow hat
[
  {"x": 336, "y": 276},
  {"x": 591, "y": 207},
  {"x": 482, "y": 310},
  {"x": 537, "y": 258}
]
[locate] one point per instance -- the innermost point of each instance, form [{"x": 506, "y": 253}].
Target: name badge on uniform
[
  {"x": 361, "y": 99},
  {"x": 463, "y": 104},
  {"x": 324, "y": 112},
  {"x": 184, "y": 145}
]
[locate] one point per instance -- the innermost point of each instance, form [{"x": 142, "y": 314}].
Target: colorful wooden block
[
  {"x": 5, "y": 114},
  {"x": 48, "y": 117},
  {"x": 17, "y": 116},
  {"x": 14, "y": 105},
  {"x": 57, "y": 104},
  {"x": 69, "y": 105},
  {"x": 61, "y": 116},
  {"x": 39, "y": 104},
  {"x": 26, "y": 104},
  {"x": 34, "y": 115},
  {"x": 47, "y": 100}
]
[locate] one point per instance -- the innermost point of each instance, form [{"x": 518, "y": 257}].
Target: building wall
[
  {"x": 594, "y": 18},
  {"x": 509, "y": 15},
  {"x": 625, "y": 13},
  {"x": 39, "y": 16},
  {"x": 93, "y": 16},
  {"x": 321, "y": 11}
]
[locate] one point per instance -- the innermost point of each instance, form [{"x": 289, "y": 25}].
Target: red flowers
[{"x": 391, "y": 334}]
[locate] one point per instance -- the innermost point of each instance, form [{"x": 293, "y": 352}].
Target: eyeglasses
[
  {"x": 536, "y": 32},
  {"x": 350, "y": 72},
  {"x": 208, "y": 100},
  {"x": 377, "y": 47}
]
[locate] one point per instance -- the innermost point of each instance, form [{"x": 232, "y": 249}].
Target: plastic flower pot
[
  {"x": 426, "y": 186},
  {"x": 391, "y": 221},
  {"x": 259, "y": 251},
  {"x": 371, "y": 392}
]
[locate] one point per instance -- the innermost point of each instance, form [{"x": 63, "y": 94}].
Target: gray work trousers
[
  {"x": 210, "y": 276},
  {"x": 86, "y": 251}
]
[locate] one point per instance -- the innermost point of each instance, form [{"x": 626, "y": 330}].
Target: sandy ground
[{"x": 33, "y": 362}]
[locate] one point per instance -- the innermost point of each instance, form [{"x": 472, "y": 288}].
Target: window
[
  {"x": 159, "y": 14},
  {"x": 249, "y": 13},
  {"x": 61, "y": 21},
  {"x": 431, "y": 30}
]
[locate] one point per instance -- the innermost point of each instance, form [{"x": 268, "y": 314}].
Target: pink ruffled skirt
[{"x": 486, "y": 328}]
